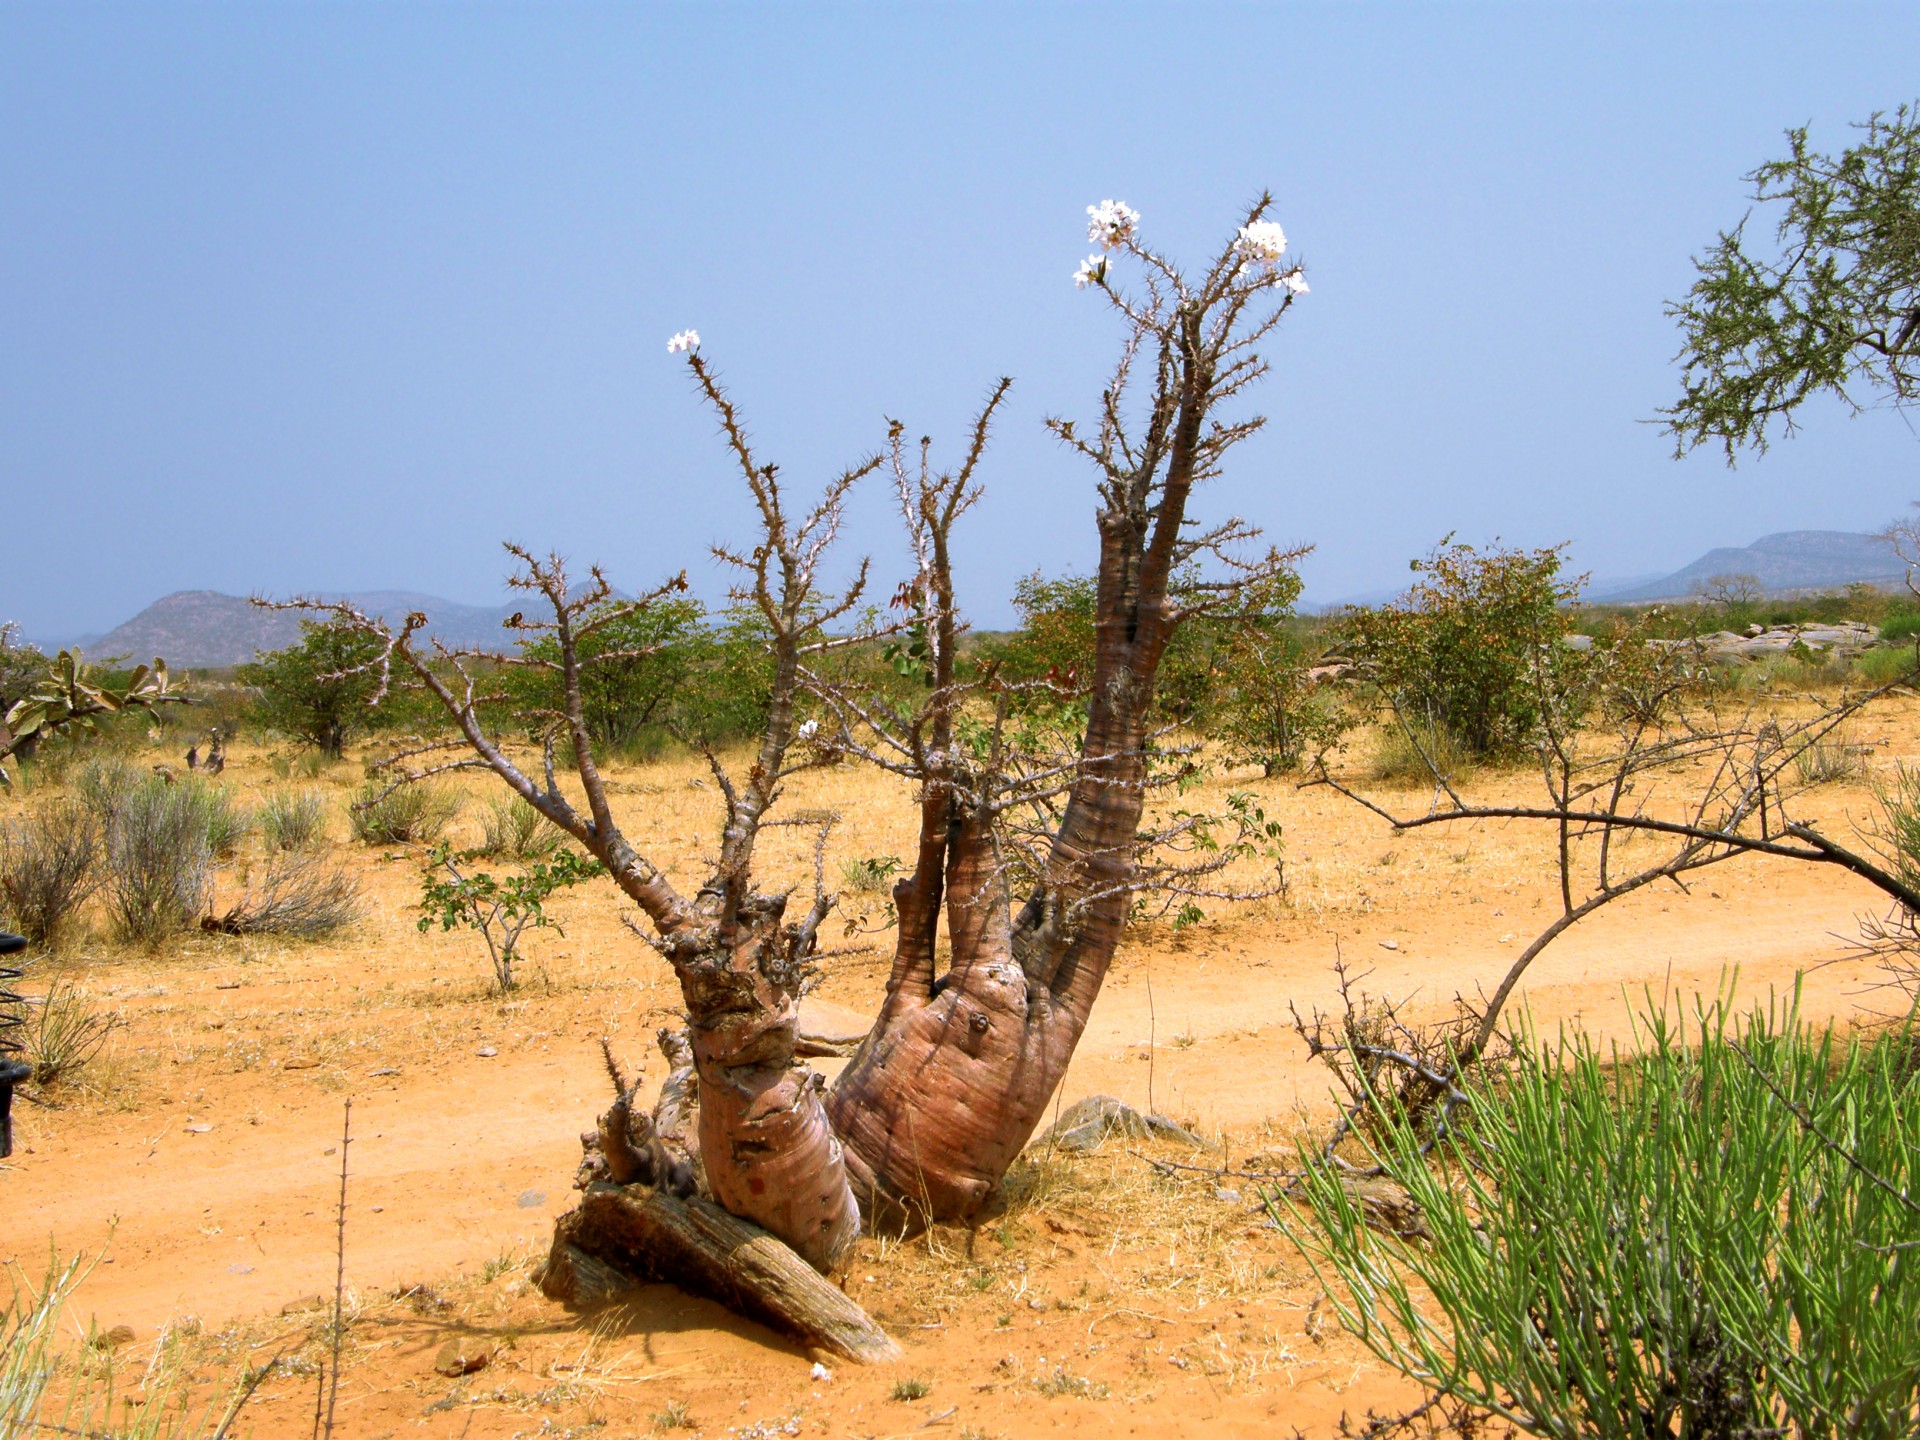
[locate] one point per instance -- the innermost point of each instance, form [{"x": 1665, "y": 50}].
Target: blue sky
[{"x": 302, "y": 296}]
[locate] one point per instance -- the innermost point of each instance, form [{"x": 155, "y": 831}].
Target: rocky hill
[
  {"x": 203, "y": 629},
  {"x": 1794, "y": 560}
]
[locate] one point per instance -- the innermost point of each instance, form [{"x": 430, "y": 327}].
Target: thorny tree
[
  {"x": 960, "y": 1063},
  {"x": 1834, "y": 310}
]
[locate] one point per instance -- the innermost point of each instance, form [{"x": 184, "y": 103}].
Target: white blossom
[
  {"x": 808, "y": 729},
  {"x": 1295, "y": 281},
  {"x": 1091, "y": 270},
  {"x": 684, "y": 340},
  {"x": 1262, "y": 241},
  {"x": 1110, "y": 223}
]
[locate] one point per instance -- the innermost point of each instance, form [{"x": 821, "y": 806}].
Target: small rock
[
  {"x": 1227, "y": 1193},
  {"x": 486, "y": 1052},
  {"x": 239, "y": 1269},
  {"x": 383, "y": 1070},
  {"x": 821, "y": 1374},
  {"x": 1087, "y": 1123},
  {"x": 531, "y": 1199},
  {"x": 1389, "y": 944},
  {"x": 459, "y": 1357},
  {"x": 200, "y": 1127}
]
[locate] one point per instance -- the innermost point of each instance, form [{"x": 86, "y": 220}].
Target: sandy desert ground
[{"x": 199, "y": 1157}]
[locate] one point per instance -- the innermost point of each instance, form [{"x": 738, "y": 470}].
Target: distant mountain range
[
  {"x": 203, "y": 629},
  {"x": 1794, "y": 560}
]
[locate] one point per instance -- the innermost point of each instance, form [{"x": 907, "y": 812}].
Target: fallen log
[{"x": 621, "y": 1236}]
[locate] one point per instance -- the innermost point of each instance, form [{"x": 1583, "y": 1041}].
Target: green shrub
[
  {"x": 159, "y": 861},
  {"x": 316, "y": 691},
  {"x": 1266, "y": 708},
  {"x": 634, "y": 664},
  {"x": 1885, "y": 664},
  {"x": 293, "y": 820},
  {"x": 49, "y": 866},
  {"x": 416, "y": 814},
  {"x": 1474, "y": 647},
  {"x": 1710, "y": 1239},
  {"x": 454, "y": 897},
  {"x": 1901, "y": 625}
]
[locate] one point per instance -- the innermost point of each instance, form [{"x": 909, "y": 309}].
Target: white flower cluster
[
  {"x": 1092, "y": 271},
  {"x": 1110, "y": 224},
  {"x": 1262, "y": 244},
  {"x": 1262, "y": 241},
  {"x": 685, "y": 340}
]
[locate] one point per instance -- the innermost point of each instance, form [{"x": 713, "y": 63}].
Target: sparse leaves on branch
[{"x": 453, "y": 896}]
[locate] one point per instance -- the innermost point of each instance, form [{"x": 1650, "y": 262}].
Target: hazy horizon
[{"x": 339, "y": 297}]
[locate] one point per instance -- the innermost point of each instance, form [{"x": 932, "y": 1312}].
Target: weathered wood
[
  {"x": 580, "y": 1281},
  {"x": 650, "y": 1235}
]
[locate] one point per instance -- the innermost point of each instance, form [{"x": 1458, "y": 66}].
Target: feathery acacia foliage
[{"x": 1834, "y": 310}]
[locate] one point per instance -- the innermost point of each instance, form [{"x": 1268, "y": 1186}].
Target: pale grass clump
[
  {"x": 293, "y": 820},
  {"x": 49, "y": 867},
  {"x": 416, "y": 814}
]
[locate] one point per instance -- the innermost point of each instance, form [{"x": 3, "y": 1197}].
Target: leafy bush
[
  {"x": 293, "y": 819},
  {"x": 49, "y": 866},
  {"x": 1885, "y": 664},
  {"x": 1055, "y": 642},
  {"x": 1474, "y": 647},
  {"x": 725, "y": 693},
  {"x": 453, "y": 897},
  {"x": 512, "y": 828},
  {"x": 633, "y": 663},
  {"x": 1265, "y": 707},
  {"x": 416, "y": 814},
  {"x": 159, "y": 861},
  {"x": 314, "y": 692},
  {"x": 1709, "y": 1239}
]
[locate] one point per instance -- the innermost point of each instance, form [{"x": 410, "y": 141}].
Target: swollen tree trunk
[{"x": 958, "y": 1069}]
